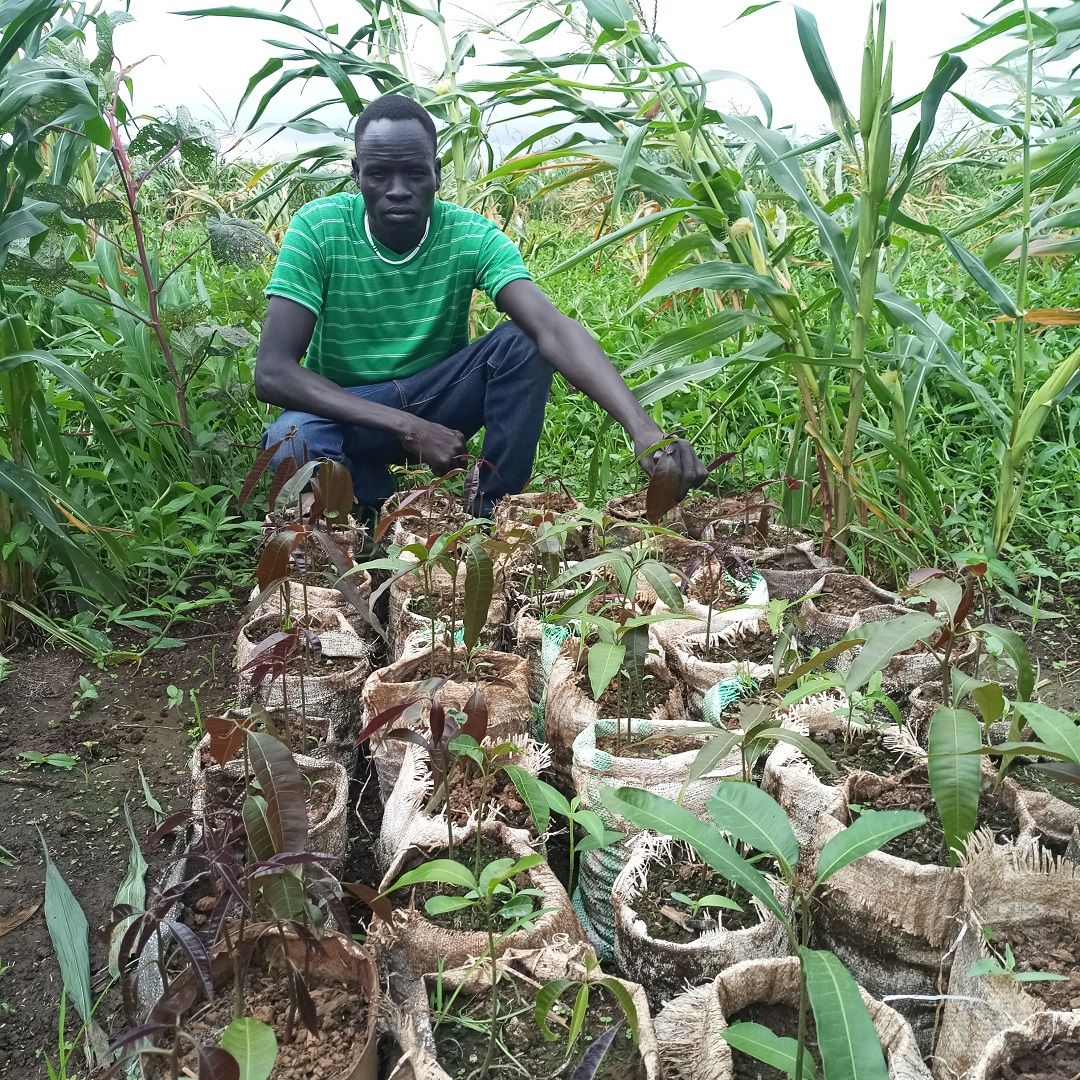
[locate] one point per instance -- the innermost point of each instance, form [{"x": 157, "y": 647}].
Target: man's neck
[{"x": 401, "y": 239}]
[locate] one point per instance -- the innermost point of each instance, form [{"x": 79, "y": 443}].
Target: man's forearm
[
  {"x": 575, "y": 354},
  {"x": 291, "y": 386}
]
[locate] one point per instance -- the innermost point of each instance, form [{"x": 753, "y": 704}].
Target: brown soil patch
[
  {"x": 618, "y": 702},
  {"x": 756, "y": 648},
  {"x": 342, "y": 1017},
  {"x": 845, "y": 597},
  {"x": 866, "y": 753},
  {"x": 695, "y": 880},
  {"x": 1053, "y": 948},
  {"x": 1058, "y": 1062},
  {"x": 81, "y": 812},
  {"x": 463, "y": 1046}
]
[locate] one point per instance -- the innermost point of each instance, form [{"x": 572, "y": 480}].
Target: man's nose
[{"x": 398, "y": 190}]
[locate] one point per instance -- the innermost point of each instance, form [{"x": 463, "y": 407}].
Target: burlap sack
[
  {"x": 594, "y": 770},
  {"x": 890, "y": 920},
  {"x": 326, "y": 695},
  {"x": 1034, "y": 1037},
  {"x": 404, "y": 824},
  {"x": 1005, "y": 886},
  {"x": 790, "y": 778},
  {"x": 403, "y": 681},
  {"x": 666, "y": 968},
  {"x": 520, "y": 518},
  {"x": 691, "y": 1029},
  {"x": 823, "y": 627},
  {"x": 527, "y": 632},
  {"x": 410, "y": 632},
  {"x": 569, "y": 709},
  {"x": 297, "y": 597},
  {"x": 748, "y": 615},
  {"x": 410, "y": 1023},
  {"x": 926, "y": 698},
  {"x": 793, "y": 583},
  {"x": 739, "y": 538},
  {"x": 415, "y": 946},
  {"x": 700, "y": 675},
  {"x": 328, "y": 834}
]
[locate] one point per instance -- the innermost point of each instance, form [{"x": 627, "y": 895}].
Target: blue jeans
[{"x": 499, "y": 383}]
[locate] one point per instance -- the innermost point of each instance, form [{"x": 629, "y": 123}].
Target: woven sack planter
[
  {"x": 404, "y": 824},
  {"x": 691, "y": 1029},
  {"x": 333, "y": 958},
  {"x": 414, "y": 945},
  {"x": 890, "y": 920},
  {"x": 740, "y": 539},
  {"x": 1058, "y": 1031},
  {"x": 402, "y": 681},
  {"x": 790, "y": 778},
  {"x": 699, "y": 676},
  {"x": 519, "y": 519},
  {"x": 824, "y": 626},
  {"x": 328, "y": 834},
  {"x": 569, "y": 710},
  {"x": 410, "y": 1023},
  {"x": 745, "y": 616},
  {"x": 410, "y": 632},
  {"x": 334, "y": 692},
  {"x": 665, "y": 967},
  {"x": 295, "y": 597},
  {"x": 594, "y": 770},
  {"x": 1006, "y": 887}
]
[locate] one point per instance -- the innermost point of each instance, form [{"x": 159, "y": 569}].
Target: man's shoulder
[
  {"x": 329, "y": 210},
  {"x": 459, "y": 218}
]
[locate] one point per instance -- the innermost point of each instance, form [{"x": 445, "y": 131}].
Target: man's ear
[
  {"x": 438, "y": 173},
  {"x": 356, "y": 171}
]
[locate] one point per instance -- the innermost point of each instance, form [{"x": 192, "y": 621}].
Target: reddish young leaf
[
  {"x": 662, "y": 494},
  {"x": 374, "y": 900},
  {"x": 171, "y": 824},
  {"x": 436, "y": 722},
  {"x": 387, "y": 716},
  {"x": 216, "y": 1063},
  {"x": 304, "y": 1004},
  {"x": 274, "y": 560},
  {"x": 476, "y": 713},
  {"x": 333, "y": 489},
  {"x": 271, "y": 656},
  {"x": 402, "y": 511},
  {"x": 226, "y": 736},
  {"x": 284, "y": 790},
  {"x": 924, "y": 573},
  {"x": 256, "y": 470},
  {"x": 716, "y": 462},
  {"x": 285, "y": 471}
]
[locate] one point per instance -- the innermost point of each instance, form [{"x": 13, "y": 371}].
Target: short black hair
[{"x": 396, "y": 107}]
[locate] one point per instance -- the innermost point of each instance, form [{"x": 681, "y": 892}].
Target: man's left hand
[{"x": 690, "y": 469}]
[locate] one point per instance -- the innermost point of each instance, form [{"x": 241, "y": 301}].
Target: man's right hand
[{"x": 439, "y": 448}]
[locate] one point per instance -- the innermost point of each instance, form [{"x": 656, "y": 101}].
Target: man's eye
[{"x": 418, "y": 174}]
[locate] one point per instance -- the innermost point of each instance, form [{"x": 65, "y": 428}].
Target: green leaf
[
  {"x": 254, "y": 1046},
  {"x": 1017, "y": 651},
  {"x": 132, "y": 890},
  {"x": 719, "y": 276},
  {"x": 545, "y": 998},
  {"x": 820, "y": 68},
  {"x": 657, "y": 575},
  {"x": 982, "y": 277},
  {"x": 847, "y": 1042},
  {"x": 884, "y": 640},
  {"x": 870, "y": 831},
  {"x": 712, "y": 752},
  {"x": 605, "y": 661},
  {"x": 439, "y": 872},
  {"x": 626, "y": 1003},
  {"x": 532, "y": 794},
  {"x": 763, "y": 1045},
  {"x": 753, "y": 817},
  {"x": 649, "y": 811},
  {"x": 440, "y": 905},
  {"x": 953, "y": 765},
  {"x": 69, "y": 935},
  {"x": 803, "y": 743},
  {"x": 479, "y": 588},
  {"x": 678, "y": 344},
  {"x": 1057, "y": 730}
]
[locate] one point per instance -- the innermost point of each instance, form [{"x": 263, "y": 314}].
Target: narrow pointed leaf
[
  {"x": 884, "y": 640},
  {"x": 955, "y": 773},
  {"x": 605, "y": 660},
  {"x": 870, "y": 831},
  {"x": 753, "y": 817},
  {"x": 847, "y": 1041}
]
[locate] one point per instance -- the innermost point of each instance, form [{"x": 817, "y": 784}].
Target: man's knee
[{"x": 303, "y": 438}]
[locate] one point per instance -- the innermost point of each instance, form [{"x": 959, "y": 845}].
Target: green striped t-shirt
[{"x": 375, "y": 321}]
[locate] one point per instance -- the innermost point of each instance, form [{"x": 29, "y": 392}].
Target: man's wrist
[{"x": 645, "y": 435}]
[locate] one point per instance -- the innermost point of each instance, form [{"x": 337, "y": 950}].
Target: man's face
[{"x": 398, "y": 174}]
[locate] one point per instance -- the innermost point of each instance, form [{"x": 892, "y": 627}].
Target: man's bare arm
[
  {"x": 280, "y": 379},
  {"x": 574, "y": 353}
]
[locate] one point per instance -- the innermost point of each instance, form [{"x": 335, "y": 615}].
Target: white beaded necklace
[{"x": 395, "y": 262}]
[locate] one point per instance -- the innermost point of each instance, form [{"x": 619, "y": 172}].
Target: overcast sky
[{"x": 200, "y": 62}]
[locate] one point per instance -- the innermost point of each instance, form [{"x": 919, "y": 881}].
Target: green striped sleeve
[
  {"x": 299, "y": 273},
  {"x": 499, "y": 263}
]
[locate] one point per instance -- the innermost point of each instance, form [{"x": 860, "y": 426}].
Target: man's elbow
[{"x": 267, "y": 383}]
